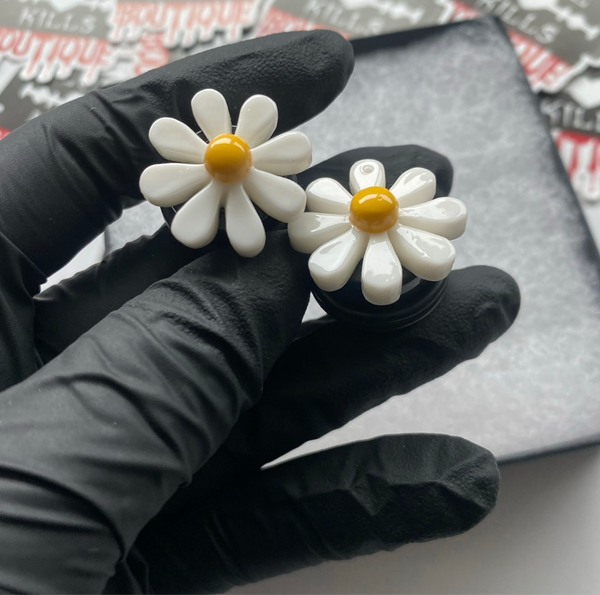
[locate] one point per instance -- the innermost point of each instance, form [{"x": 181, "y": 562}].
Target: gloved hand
[{"x": 165, "y": 367}]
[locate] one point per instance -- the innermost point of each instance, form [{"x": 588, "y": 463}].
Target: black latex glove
[{"x": 165, "y": 366}]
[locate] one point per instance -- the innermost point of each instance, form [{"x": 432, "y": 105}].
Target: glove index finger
[
  {"x": 70, "y": 172},
  {"x": 352, "y": 500}
]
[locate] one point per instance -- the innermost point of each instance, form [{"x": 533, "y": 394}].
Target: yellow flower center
[
  {"x": 374, "y": 209},
  {"x": 228, "y": 158}
]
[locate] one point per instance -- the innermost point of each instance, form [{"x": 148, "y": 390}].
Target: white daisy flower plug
[
  {"x": 388, "y": 229},
  {"x": 233, "y": 172}
]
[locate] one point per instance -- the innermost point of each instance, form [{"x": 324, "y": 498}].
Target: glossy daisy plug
[
  {"x": 230, "y": 171},
  {"x": 402, "y": 236}
]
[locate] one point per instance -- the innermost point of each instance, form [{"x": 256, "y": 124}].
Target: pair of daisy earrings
[{"x": 233, "y": 172}]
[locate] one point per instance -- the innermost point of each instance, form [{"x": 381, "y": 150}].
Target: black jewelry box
[{"x": 459, "y": 89}]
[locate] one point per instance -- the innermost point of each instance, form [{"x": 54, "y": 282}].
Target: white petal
[
  {"x": 413, "y": 187},
  {"x": 381, "y": 277},
  {"x": 366, "y": 173},
  {"x": 312, "y": 230},
  {"x": 326, "y": 195},
  {"x": 425, "y": 254},
  {"x": 287, "y": 154},
  {"x": 197, "y": 222},
  {"x": 445, "y": 217},
  {"x": 244, "y": 228},
  {"x": 176, "y": 142},
  {"x": 211, "y": 112},
  {"x": 333, "y": 263},
  {"x": 278, "y": 197},
  {"x": 257, "y": 120},
  {"x": 169, "y": 184}
]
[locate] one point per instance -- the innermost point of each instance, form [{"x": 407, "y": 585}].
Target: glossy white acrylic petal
[
  {"x": 289, "y": 153},
  {"x": 170, "y": 184},
  {"x": 257, "y": 120},
  {"x": 427, "y": 255},
  {"x": 278, "y": 197},
  {"x": 413, "y": 187},
  {"x": 312, "y": 230},
  {"x": 197, "y": 222},
  {"x": 366, "y": 173},
  {"x": 326, "y": 195},
  {"x": 333, "y": 263},
  {"x": 176, "y": 142},
  {"x": 381, "y": 275},
  {"x": 245, "y": 230},
  {"x": 211, "y": 112},
  {"x": 445, "y": 217}
]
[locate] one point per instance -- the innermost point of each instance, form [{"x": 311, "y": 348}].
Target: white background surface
[
  {"x": 543, "y": 537},
  {"x": 90, "y": 255}
]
